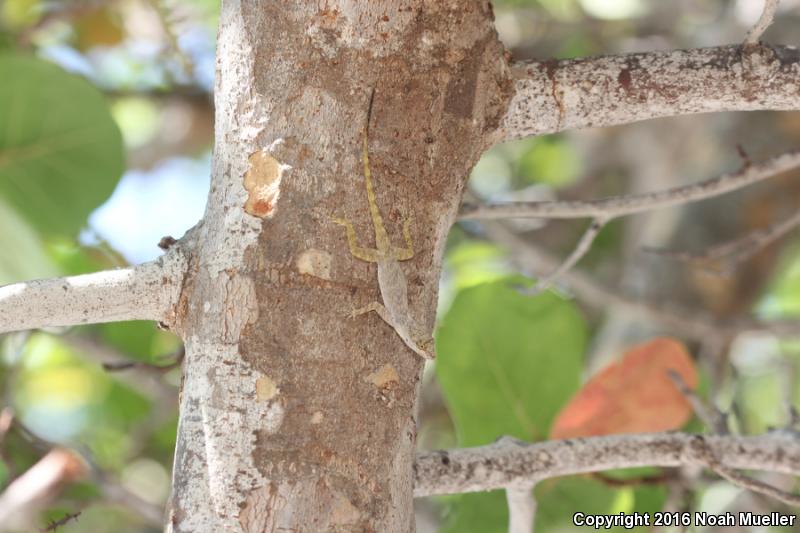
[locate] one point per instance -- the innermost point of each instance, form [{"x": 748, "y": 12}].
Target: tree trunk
[{"x": 295, "y": 417}]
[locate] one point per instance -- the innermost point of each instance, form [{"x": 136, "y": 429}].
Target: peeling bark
[{"x": 295, "y": 417}]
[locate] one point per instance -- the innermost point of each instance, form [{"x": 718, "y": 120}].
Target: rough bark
[
  {"x": 144, "y": 292},
  {"x": 510, "y": 462},
  {"x": 295, "y": 417},
  {"x": 558, "y": 95}
]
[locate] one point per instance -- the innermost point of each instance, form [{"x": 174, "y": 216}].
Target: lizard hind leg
[
  {"x": 365, "y": 254},
  {"x": 374, "y": 306}
]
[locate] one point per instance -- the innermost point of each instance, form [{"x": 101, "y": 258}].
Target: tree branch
[
  {"x": 695, "y": 324},
  {"x": 581, "y": 249},
  {"x": 763, "y": 22},
  {"x": 617, "y": 206},
  {"x": 521, "y": 509},
  {"x": 552, "y": 96},
  {"x": 42, "y": 483},
  {"x": 145, "y": 292},
  {"x": 509, "y": 462},
  {"x": 715, "y": 421},
  {"x": 728, "y": 255}
]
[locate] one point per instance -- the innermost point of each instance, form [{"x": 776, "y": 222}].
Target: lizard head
[{"x": 426, "y": 347}]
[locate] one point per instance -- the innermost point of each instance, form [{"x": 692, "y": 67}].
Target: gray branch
[
  {"x": 145, "y": 292},
  {"x": 552, "y": 96},
  {"x": 509, "y": 462},
  {"x": 763, "y": 22},
  {"x": 617, "y": 206}
]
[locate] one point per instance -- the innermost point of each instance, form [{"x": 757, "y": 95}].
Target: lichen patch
[
  {"x": 343, "y": 512},
  {"x": 262, "y": 182},
  {"x": 383, "y": 377},
  {"x": 266, "y": 389},
  {"x": 315, "y": 263}
]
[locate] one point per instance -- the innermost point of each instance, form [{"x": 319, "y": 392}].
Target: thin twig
[
  {"x": 655, "y": 479},
  {"x": 581, "y": 249},
  {"x": 727, "y": 256},
  {"x": 177, "y": 359},
  {"x": 163, "y": 12},
  {"x": 755, "y": 485},
  {"x": 690, "y": 322},
  {"x": 111, "y": 491},
  {"x": 38, "y": 487},
  {"x": 55, "y": 524},
  {"x": 521, "y": 509},
  {"x": 708, "y": 415},
  {"x": 617, "y": 206},
  {"x": 763, "y": 22},
  {"x": 714, "y": 420}
]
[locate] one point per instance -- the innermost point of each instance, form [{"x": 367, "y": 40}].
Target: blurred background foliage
[{"x": 106, "y": 125}]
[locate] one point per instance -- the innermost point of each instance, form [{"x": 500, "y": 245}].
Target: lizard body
[{"x": 391, "y": 279}]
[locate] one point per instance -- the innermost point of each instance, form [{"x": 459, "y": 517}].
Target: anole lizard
[{"x": 391, "y": 279}]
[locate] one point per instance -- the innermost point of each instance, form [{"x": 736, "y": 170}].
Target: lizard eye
[{"x": 427, "y": 345}]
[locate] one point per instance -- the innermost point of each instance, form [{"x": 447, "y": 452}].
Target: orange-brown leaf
[{"x": 634, "y": 395}]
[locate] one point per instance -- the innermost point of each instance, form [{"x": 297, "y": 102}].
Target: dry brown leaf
[{"x": 634, "y": 395}]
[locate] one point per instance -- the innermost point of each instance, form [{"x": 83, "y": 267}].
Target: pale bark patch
[
  {"x": 262, "y": 181},
  {"x": 315, "y": 263},
  {"x": 266, "y": 389},
  {"x": 234, "y": 403},
  {"x": 383, "y": 377}
]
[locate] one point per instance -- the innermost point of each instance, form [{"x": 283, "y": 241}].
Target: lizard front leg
[
  {"x": 365, "y": 254},
  {"x": 404, "y": 254}
]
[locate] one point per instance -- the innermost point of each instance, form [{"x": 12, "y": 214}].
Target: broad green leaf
[
  {"x": 475, "y": 262},
  {"x": 559, "y": 499},
  {"x": 557, "y": 502},
  {"x": 23, "y": 255},
  {"x": 761, "y": 401},
  {"x": 60, "y": 150},
  {"x": 74, "y": 258},
  {"x": 479, "y": 512},
  {"x": 507, "y": 363},
  {"x": 139, "y": 339}
]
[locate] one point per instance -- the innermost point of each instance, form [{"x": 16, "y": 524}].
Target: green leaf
[
  {"x": 782, "y": 299},
  {"x": 60, "y": 150},
  {"x": 140, "y": 339},
  {"x": 479, "y": 512},
  {"x": 550, "y": 160},
  {"x": 559, "y": 499},
  {"x": 507, "y": 363},
  {"x": 24, "y": 256}
]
